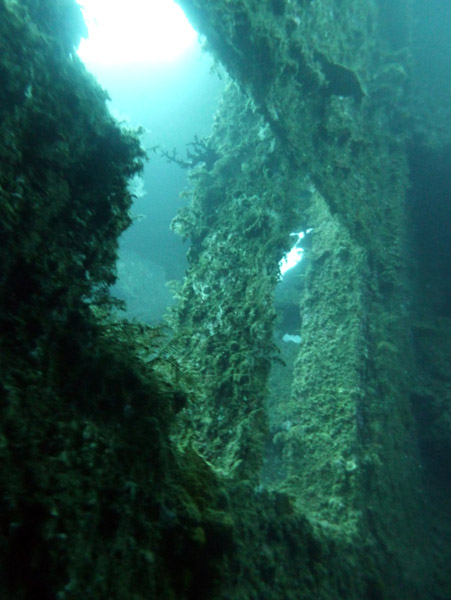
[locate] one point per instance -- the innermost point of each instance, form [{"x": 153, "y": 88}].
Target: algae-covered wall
[
  {"x": 328, "y": 87},
  {"x": 217, "y": 463},
  {"x": 336, "y": 89},
  {"x": 92, "y": 502}
]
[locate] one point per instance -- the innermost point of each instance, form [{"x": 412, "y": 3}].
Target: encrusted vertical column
[
  {"x": 322, "y": 451},
  {"x": 350, "y": 453},
  {"x": 238, "y": 218}
]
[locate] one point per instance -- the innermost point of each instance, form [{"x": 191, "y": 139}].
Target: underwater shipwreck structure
[{"x": 226, "y": 463}]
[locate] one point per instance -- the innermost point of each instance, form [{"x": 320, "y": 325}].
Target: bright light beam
[{"x": 123, "y": 32}]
